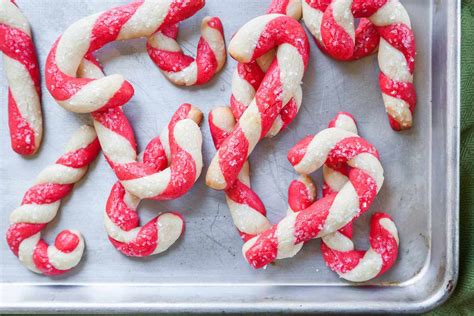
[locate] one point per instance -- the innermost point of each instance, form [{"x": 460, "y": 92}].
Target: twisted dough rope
[
  {"x": 121, "y": 218},
  {"x": 40, "y": 205},
  {"x": 170, "y": 163},
  {"x": 247, "y": 210},
  {"x": 22, "y": 71},
  {"x": 334, "y": 31},
  {"x": 281, "y": 82},
  {"x": 182, "y": 142},
  {"x": 140, "y": 18},
  {"x": 248, "y": 76},
  {"x": 181, "y": 69},
  {"x": 334, "y": 147},
  {"x": 337, "y": 248}
]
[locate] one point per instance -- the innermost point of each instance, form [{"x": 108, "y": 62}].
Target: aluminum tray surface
[{"x": 205, "y": 270}]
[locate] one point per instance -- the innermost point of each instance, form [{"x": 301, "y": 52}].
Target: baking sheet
[{"x": 205, "y": 270}]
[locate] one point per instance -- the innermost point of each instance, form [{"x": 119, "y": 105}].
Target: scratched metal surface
[{"x": 205, "y": 270}]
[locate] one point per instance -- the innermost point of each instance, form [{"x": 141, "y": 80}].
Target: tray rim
[{"x": 439, "y": 296}]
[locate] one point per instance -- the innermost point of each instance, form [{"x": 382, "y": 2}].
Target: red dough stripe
[
  {"x": 264, "y": 250},
  {"x": 206, "y": 62},
  {"x": 347, "y": 149},
  {"x": 22, "y": 136},
  {"x": 143, "y": 245},
  {"x": 233, "y": 154},
  {"x": 321, "y": 5},
  {"x": 310, "y": 221},
  {"x": 19, "y": 46},
  {"x": 181, "y": 10},
  {"x": 337, "y": 41},
  {"x": 81, "y": 157},
  {"x": 41, "y": 260},
  {"x": 242, "y": 194},
  {"x": 170, "y": 61},
  {"x": 118, "y": 211},
  {"x": 298, "y": 196},
  {"x": 18, "y": 232},
  {"x": 108, "y": 26},
  {"x": 298, "y": 151},
  {"x": 399, "y": 90},
  {"x": 46, "y": 193},
  {"x": 366, "y": 8}
]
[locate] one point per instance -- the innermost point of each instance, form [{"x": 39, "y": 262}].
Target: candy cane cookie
[
  {"x": 281, "y": 82},
  {"x": 172, "y": 177},
  {"x": 338, "y": 249},
  {"x": 247, "y": 210},
  {"x": 140, "y": 18},
  {"x": 182, "y": 69},
  {"x": 335, "y": 147},
  {"x": 121, "y": 219},
  {"x": 332, "y": 24},
  {"x": 40, "y": 205},
  {"x": 22, "y": 71},
  {"x": 248, "y": 76}
]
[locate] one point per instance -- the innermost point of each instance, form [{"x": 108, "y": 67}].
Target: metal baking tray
[{"x": 205, "y": 271}]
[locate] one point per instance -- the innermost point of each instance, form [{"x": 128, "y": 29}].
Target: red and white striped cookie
[
  {"x": 182, "y": 69},
  {"x": 140, "y": 18},
  {"x": 247, "y": 210},
  {"x": 121, "y": 219},
  {"x": 163, "y": 160},
  {"x": 335, "y": 147},
  {"x": 154, "y": 177},
  {"x": 22, "y": 71},
  {"x": 281, "y": 82},
  {"x": 301, "y": 194},
  {"x": 332, "y": 24},
  {"x": 40, "y": 205},
  {"x": 338, "y": 249}
]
